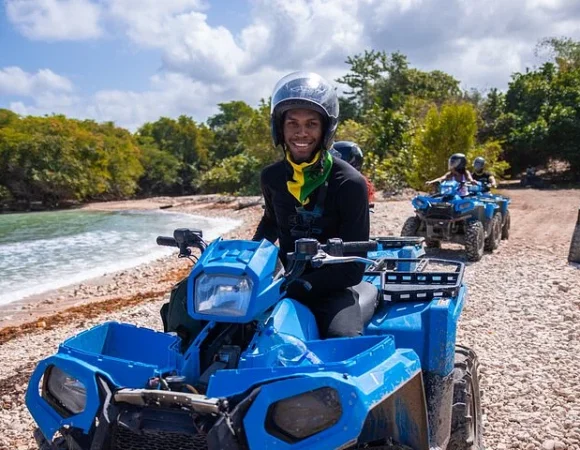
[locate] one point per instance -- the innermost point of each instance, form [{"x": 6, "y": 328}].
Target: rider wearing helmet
[
  {"x": 310, "y": 193},
  {"x": 457, "y": 171},
  {"x": 486, "y": 179},
  {"x": 352, "y": 153}
]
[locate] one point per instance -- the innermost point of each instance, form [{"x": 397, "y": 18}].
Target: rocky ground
[{"x": 522, "y": 318}]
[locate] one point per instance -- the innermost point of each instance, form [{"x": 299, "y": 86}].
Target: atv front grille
[
  {"x": 153, "y": 428},
  {"x": 444, "y": 211},
  {"x": 125, "y": 439}
]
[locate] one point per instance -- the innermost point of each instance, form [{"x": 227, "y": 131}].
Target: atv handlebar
[
  {"x": 359, "y": 247},
  {"x": 167, "y": 241},
  {"x": 184, "y": 239}
]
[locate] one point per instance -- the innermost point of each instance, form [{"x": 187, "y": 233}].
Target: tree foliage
[
  {"x": 450, "y": 129},
  {"x": 54, "y": 159},
  {"x": 407, "y": 121}
]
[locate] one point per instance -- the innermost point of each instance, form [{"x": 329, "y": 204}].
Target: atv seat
[{"x": 368, "y": 299}]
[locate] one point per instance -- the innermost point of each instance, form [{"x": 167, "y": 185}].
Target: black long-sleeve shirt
[{"x": 345, "y": 216}]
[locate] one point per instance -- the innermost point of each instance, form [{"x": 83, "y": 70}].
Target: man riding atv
[
  {"x": 311, "y": 194},
  {"x": 485, "y": 178}
]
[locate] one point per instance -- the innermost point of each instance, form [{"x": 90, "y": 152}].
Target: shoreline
[{"x": 158, "y": 276}]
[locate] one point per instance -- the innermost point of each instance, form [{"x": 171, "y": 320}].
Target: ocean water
[{"x": 48, "y": 250}]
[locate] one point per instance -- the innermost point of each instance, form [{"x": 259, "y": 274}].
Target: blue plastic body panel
[
  {"x": 402, "y": 341},
  {"x": 256, "y": 260},
  {"x": 124, "y": 354},
  {"x": 429, "y": 328},
  {"x": 360, "y": 384}
]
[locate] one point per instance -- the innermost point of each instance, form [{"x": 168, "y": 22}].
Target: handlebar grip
[
  {"x": 359, "y": 247},
  {"x": 167, "y": 241}
]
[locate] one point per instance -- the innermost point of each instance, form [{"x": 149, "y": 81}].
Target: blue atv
[
  {"x": 258, "y": 376},
  {"x": 447, "y": 216},
  {"x": 483, "y": 191}
]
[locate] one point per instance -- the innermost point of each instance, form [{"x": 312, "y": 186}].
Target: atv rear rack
[
  {"x": 420, "y": 284},
  {"x": 396, "y": 241}
]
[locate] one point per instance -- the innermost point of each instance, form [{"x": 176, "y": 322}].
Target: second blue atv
[
  {"x": 258, "y": 376},
  {"x": 483, "y": 191},
  {"x": 447, "y": 216}
]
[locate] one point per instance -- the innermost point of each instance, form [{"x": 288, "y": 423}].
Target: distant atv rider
[
  {"x": 486, "y": 178},
  {"x": 353, "y": 154},
  {"x": 457, "y": 171},
  {"x": 310, "y": 193}
]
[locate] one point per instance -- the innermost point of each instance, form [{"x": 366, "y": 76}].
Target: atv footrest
[{"x": 426, "y": 282}]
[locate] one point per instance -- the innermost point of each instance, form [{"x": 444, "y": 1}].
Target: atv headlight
[
  {"x": 223, "y": 295},
  {"x": 464, "y": 206},
  {"x": 419, "y": 203},
  {"x": 304, "y": 415},
  {"x": 64, "y": 392}
]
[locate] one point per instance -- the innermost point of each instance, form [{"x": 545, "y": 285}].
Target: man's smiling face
[{"x": 302, "y": 133}]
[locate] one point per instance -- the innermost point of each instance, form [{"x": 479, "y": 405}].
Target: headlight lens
[
  {"x": 68, "y": 392},
  {"x": 463, "y": 206},
  {"x": 304, "y": 415},
  {"x": 223, "y": 295},
  {"x": 419, "y": 203}
]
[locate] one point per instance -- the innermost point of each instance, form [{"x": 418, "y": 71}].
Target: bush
[{"x": 234, "y": 175}]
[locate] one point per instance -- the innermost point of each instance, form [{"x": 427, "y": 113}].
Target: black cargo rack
[
  {"x": 421, "y": 284},
  {"x": 398, "y": 241}
]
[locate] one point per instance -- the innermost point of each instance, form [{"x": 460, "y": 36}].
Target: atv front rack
[{"x": 429, "y": 280}]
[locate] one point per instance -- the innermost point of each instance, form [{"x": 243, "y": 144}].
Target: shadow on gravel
[{"x": 447, "y": 253}]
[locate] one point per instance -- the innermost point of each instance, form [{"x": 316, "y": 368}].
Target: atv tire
[
  {"x": 494, "y": 238},
  {"x": 411, "y": 226},
  {"x": 466, "y": 415},
  {"x": 474, "y": 240},
  {"x": 505, "y": 229},
  {"x": 574, "y": 253}
]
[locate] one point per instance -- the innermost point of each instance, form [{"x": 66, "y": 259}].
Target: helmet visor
[
  {"x": 453, "y": 163},
  {"x": 304, "y": 90}
]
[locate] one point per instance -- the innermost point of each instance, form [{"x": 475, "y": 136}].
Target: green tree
[
  {"x": 186, "y": 141},
  {"x": 542, "y": 117},
  {"x": 227, "y": 126},
  {"x": 55, "y": 159},
  {"x": 161, "y": 169},
  {"x": 565, "y": 52},
  {"x": 446, "y": 131}
]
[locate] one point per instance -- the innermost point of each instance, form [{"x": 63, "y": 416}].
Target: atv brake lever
[{"x": 323, "y": 258}]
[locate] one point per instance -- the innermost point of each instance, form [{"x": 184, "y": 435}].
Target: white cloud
[
  {"x": 480, "y": 42},
  {"x": 170, "y": 95},
  {"x": 15, "y": 81},
  {"x": 55, "y": 19}
]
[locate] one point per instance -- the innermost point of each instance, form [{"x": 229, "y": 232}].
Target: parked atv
[
  {"x": 448, "y": 216},
  {"x": 530, "y": 179},
  {"x": 258, "y": 376}
]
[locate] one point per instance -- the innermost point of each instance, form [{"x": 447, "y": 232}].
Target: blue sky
[{"x": 132, "y": 61}]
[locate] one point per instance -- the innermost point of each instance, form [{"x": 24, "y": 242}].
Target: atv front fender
[{"x": 46, "y": 416}]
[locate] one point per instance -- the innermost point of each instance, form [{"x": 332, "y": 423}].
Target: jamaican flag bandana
[{"x": 307, "y": 176}]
